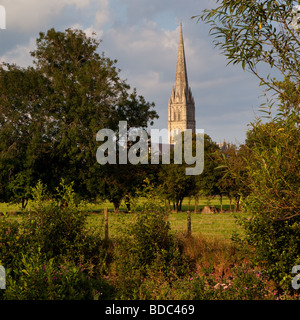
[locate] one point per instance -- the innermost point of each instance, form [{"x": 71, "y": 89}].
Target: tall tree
[
  {"x": 206, "y": 183},
  {"x": 255, "y": 33},
  {"x": 72, "y": 92},
  {"x": 24, "y": 129}
]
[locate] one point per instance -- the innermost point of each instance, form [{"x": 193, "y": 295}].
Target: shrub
[
  {"x": 38, "y": 277},
  {"x": 147, "y": 247},
  {"x": 50, "y": 254},
  {"x": 10, "y": 243},
  {"x": 273, "y": 169},
  {"x": 56, "y": 226}
]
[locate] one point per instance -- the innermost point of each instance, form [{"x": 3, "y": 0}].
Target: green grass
[
  {"x": 98, "y": 207},
  {"x": 210, "y": 225},
  {"x": 7, "y": 207}
]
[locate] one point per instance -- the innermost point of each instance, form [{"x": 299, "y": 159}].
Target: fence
[{"x": 106, "y": 233}]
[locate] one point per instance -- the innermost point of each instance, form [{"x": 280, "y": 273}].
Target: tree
[
  {"x": 253, "y": 33},
  {"x": 61, "y": 104},
  {"x": 174, "y": 181},
  {"x": 274, "y": 200},
  {"x": 234, "y": 180},
  {"x": 206, "y": 183},
  {"x": 24, "y": 133},
  {"x": 176, "y": 184}
]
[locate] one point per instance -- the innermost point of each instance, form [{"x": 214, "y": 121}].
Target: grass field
[
  {"x": 218, "y": 226},
  {"x": 96, "y": 207},
  {"x": 210, "y": 225}
]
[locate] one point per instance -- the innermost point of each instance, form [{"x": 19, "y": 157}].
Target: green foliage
[
  {"x": 20, "y": 188},
  {"x": 207, "y": 182},
  {"x": 252, "y": 33},
  {"x": 176, "y": 185},
  {"x": 273, "y": 170},
  {"x": 56, "y": 225},
  {"x": 50, "y": 114},
  {"x": 11, "y": 244},
  {"x": 146, "y": 248},
  {"x": 51, "y": 254},
  {"x": 37, "y": 277}
]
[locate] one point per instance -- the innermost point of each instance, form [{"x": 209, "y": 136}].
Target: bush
[
  {"x": 50, "y": 254},
  {"x": 38, "y": 277},
  {"x": 56, "y": 225},
  {"x": 10, "y": 242},
  {"x": 147, "y": 248},
  {"x": 273, "y": 169}
]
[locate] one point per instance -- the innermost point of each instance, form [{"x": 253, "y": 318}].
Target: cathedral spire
[
  {"x": 181, "y": 109},
  {"x": 181, "y": 80}
]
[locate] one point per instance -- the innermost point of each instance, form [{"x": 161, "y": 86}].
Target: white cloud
[
  {"x": 143, "y": 35},
  {"x": 102, "y": 15},
  {"x": 20, "y": 54},
  {"x": 32, "y": 14}
]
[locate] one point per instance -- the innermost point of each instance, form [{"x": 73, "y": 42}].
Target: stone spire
[
  {"x": 181, "y": 113},
  {"x": 181, "y": 80}
]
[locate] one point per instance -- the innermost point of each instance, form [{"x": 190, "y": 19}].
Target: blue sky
[{"x": 143, "y": 36}]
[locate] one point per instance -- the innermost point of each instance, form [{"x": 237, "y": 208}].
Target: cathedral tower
[{"x": 181, "y": 111}]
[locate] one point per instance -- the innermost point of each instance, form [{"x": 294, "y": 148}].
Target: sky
[{"x": 143, "y": 36}]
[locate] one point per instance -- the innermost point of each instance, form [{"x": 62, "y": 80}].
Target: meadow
[
  {"x": 61, "y": 253},
  {"x": 210, "y": 225}
]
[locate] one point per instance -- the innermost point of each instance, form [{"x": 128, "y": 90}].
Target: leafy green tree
[
  {"x": 274, "y": 201},
  {"x": 20, "y": 186},
  {"x": 234, "y": 179},
  {"x": 24, "y": 133},
  {"x": 206, "y": 183},
  {"x": 50, "y": 114},
  {"x": 176, "y": 184},
  {"x": 90, "y": 96},
  {"x": 174, "y": 181},
  {"x": 255, "y": 34}
]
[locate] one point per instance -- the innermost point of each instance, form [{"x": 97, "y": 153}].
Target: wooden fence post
[
  {"x": 189, "y": 224},
  {"x": 105, "y": 223}
]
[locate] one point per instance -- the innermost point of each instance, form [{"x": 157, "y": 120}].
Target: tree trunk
[
  {"x": 127, "y": 203},
  {"x": 237, "y": 204},
  {"x": 180, "y": 204},
  {"x": 221, "y": 203},
  {"x": 116, "y": 207}
]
